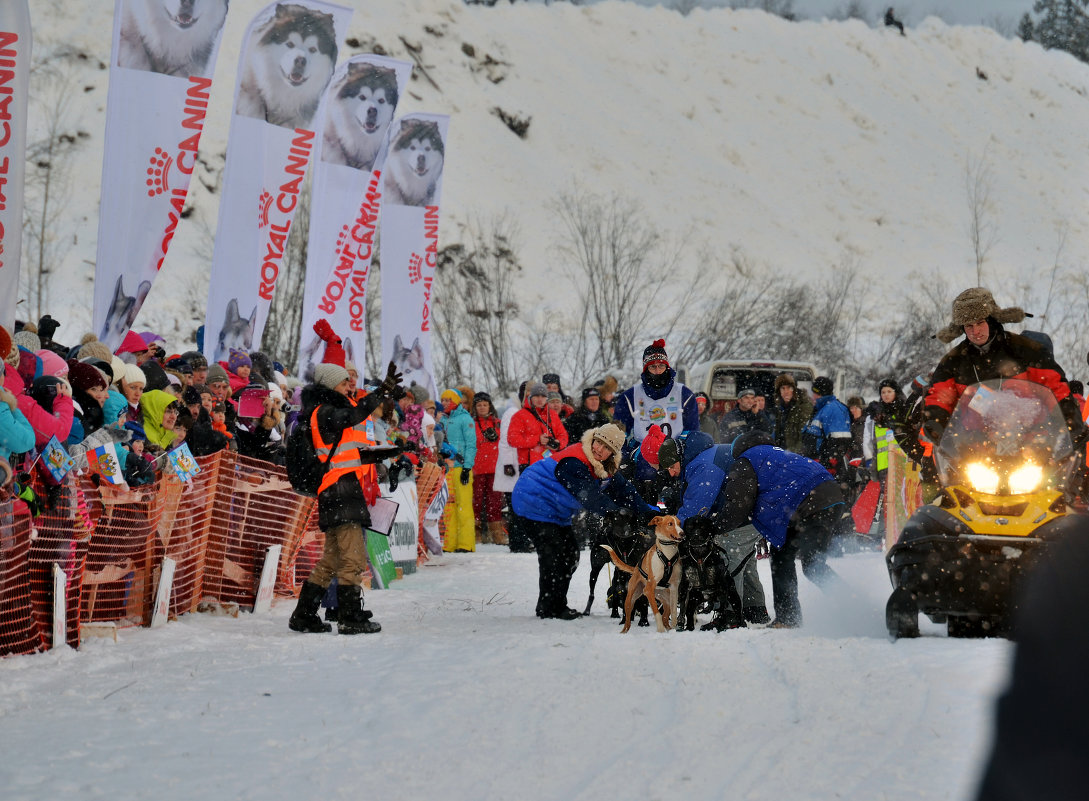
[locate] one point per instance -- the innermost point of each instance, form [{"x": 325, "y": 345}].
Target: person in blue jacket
[
  {"x": 828, "y": 434},
  {"x": 701, "y": 468},
  {"x": 551, "y": 491},
  {"x": 791, "y": 500}
]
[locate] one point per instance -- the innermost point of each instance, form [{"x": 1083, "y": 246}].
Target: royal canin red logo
[
  {"x": 415, "y": 263},
  {"x": 264, "y": 203},
  {"x": 158, "y": 172}
]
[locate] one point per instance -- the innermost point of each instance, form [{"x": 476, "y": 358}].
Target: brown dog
[{"x": 655, "y": 568}]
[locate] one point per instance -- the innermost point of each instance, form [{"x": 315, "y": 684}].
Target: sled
[{"x": 866, "y": 507}]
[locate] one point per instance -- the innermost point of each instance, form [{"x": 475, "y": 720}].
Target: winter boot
[
  {"x": 725, "y": 618},
  {"x": 305, "y": 617},
  {"x": 757, "y": 615},
  {"x": 352, "y": 619},
  {"x": 498, "y": 533}
]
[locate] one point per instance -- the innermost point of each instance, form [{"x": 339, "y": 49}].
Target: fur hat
[
  {"x": 611, "y": 436},
  {"x": 784, "y": 380},
  {"x": 651, "y": 444},
  {"x": 334, "y": 353},
  {"x": 609, "y": 385},
  {"x": 856, "y": 402},
  {"x": 655, "y": 352},
  {"x": 28, "y": 340},
  {"x": 669, "y": 453},
  {"x": 822, "y": 385},
  {"x": 328, "y": 375},
  {"x": 217, "y": 373},
  {"x": 196, "y": 359},
  {"x": 975, "y": 304}
]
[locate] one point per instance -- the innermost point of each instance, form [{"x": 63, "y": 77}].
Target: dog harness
[{"x": 669, "y": 563}]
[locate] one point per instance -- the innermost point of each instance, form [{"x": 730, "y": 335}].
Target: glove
[
  {"x": 762, "y": 549},
  {"x": 390, "y": 386},
  {"x": 933, "y": 430},
  {"x": 466, "y": 476}
]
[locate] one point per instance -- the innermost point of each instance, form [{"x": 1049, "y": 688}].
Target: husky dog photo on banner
[
  {"x": 414, "y": 164},
  {"x": 172, "y": 37},
  {"x": 358, "y": 112},
  {"x": 288, "y": 64}
]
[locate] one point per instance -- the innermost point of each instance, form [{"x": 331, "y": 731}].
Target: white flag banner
[
  {"x": 160, "y": 81},
  {"x": 15, "y": 45},
  {"x": 357, "y": 110},
  {"x": 411, "y": 193},
  {"x": 288, "y": 56}
]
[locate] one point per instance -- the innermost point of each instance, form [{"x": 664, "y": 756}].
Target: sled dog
[
  {"x": 415, "y": 164},
  {"x": 123, "y": 311},
  {"x": 655, "y": 571},
  {"x": 237, "y": 332},
  {"x": 288, "y": 63},
  {"x": 359, "y": 111},
  {"x": 174, "y": 37}
]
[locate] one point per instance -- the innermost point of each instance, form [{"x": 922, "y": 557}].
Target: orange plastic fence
[{"x": 111, "y": 543}]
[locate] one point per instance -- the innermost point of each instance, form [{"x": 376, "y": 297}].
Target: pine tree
[{"x": 1061, "y": 25}]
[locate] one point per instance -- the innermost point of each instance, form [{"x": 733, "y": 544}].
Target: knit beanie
[
  {"x": 5, "y": 342},
  {"x": 85, "y": 377},
  {"x": 538, "y": 389},
  {"x": 95, "y": 350},
  {"x": 196, "y": 359},
  {"x": 418, "y": 393},
  {"x": 669, "y": 453},
  {"x": 132, "y": 343},
  {"x": 651, "y": 444},
  {"x": 52, "y": 364},
  {"x": 28, "y": 340},
  {"x": 132, "y": 375},
  {"x": 654, "y": 353},
  {"x": 822, "y": 385},
  {"x": 328, "y": 375},
  {"x": 450, "y": 396},
  {"x": 238, "y": 359},
  {"x": 217, "y": 373}
]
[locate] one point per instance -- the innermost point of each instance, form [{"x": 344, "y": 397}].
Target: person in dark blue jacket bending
[
  {"x": 791, "y": 500},
  {"x": 549, "y": 494}
]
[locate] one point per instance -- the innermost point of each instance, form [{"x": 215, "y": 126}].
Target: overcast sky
[{"x": 969, "y": 12}]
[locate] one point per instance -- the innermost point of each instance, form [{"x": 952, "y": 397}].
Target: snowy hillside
[{"x": 804, "y": 145}]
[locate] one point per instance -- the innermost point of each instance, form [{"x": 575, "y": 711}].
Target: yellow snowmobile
[{"x": 1004, "y": 462}]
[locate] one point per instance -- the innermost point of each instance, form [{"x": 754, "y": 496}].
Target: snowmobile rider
[
  {"x": 553, "y": 490},
  {"x": 701, "y": 467},
  {"x": 989, "y": 352},
  {"x": 348, "y": 486},
  {"x": 790, "y": 499}
]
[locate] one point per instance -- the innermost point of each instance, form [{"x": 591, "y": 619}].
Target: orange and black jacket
[{"x": 1006, "y": 355}]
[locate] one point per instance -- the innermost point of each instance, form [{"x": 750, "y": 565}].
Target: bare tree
[
  {"x": 621, "y": 268},
  {"x": 475, "y": 308},
  {"x": 852, "y": 9},
  {"x": 982, "y": 229},
  {"x": 48, "y": 234}
]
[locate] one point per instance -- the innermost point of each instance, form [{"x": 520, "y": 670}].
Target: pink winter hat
[{"x": 52, "y": 364}]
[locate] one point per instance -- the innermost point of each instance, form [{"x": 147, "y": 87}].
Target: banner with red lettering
[
  {"x": 160, "y": 80},
  {"x": 288, "y": 56},
  {"x": 15, "y": 44},
  {"x": 411, "y": 193},
  {"x": 357, "y": 109}
]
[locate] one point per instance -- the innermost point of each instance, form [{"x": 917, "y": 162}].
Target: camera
[
  {"x": 491, "y": 435},
  {"x": 553, "y": 444}
]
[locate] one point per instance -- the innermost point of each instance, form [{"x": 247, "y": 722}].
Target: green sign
[{"x": 382, "y": 566}]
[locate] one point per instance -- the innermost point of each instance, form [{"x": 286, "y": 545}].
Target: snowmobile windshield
[{"x": 1006, "y": 437}]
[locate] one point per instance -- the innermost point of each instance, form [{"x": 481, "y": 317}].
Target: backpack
[{"x": 304, "y": 469}]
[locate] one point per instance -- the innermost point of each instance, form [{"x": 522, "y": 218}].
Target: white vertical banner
[
  {"x": 160, "y": 81},
  {"x": 411, "y": 194},
  {"x": 356, "y": 111},
  {"x": 288, "y": 56},
  {"x": 60, "y": 606},
  {"x": 263, "y": 602},
  {"x": 161, "y": 612},
  {"x": 15, "y": 46}
]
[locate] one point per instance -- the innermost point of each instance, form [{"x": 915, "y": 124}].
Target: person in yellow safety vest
[
  {"x": 339, "y": 427},
  {"x": 884, "y": 416}
]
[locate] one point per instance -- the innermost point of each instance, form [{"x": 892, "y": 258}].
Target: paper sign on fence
[{"x": 382, "y": 515}]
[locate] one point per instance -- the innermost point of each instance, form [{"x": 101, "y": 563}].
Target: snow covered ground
[{"x": 466, "y": 695}]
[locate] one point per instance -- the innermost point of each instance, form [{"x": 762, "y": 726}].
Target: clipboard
[{"x": 383, "y": 513}]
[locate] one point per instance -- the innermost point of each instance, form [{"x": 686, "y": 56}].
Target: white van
[{"x": 722, "y": 379}]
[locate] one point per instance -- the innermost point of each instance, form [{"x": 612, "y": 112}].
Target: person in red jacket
[
  {"x": 535, "y": 430},
  {"x": 487, "y": 504}
]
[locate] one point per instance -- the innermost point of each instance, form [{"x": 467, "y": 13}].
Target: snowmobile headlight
[
  {"x": 982, "y": 477},
  {"x": 1026, "y": 478}
]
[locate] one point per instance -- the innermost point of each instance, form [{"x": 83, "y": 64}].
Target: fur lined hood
[
  {"x": 601, "y": 469},
  {"x": 974, "y": 304}
]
